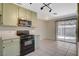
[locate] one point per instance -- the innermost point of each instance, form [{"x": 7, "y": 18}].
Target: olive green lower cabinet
[{"x": 10, "y": 47}]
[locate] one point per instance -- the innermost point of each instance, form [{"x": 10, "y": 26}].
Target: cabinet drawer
[
  {"x": 10, "y": 40},
  {"x": 11, "y": 47},
  {"x": 11, "y": 50},
  {"x": 6, "y": 41},
  {"x": 7, "y": 44}
]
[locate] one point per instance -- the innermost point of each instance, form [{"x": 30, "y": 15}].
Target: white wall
[
  {"x": 51, "y": 30},
  {"x": 42, "y": 25},
  {"x": 46, "y": 29}
]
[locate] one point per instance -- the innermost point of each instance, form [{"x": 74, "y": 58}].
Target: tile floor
[{"x": 54, "y": 48}]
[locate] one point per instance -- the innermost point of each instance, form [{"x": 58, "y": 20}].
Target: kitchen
[
  {"x": 21, "y": 32},
  {"x": 13, "y": 19}
]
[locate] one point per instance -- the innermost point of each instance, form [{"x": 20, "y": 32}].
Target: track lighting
[
  {"x": 46, "y": 5},
  {"x": 50, "y": 10},
  {"x": 41, "y": 8},
  {"x": 30, "y": 3}
]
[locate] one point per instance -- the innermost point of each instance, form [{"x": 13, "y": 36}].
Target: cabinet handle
[{"x": 3, "y": 47}]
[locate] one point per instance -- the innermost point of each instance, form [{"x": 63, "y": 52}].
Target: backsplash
[
  {"x": 7, "y": 33},
  {"x": 11, "y": 31}
]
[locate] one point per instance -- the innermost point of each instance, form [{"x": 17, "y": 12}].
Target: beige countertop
[
  {"x": 12, "y": 37},
  {"x": 9, "y": 37}
]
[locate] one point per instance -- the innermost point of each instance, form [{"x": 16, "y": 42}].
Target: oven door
[
  {"x": 26, "y": 43},
  {"x": 27, "y": 46}
]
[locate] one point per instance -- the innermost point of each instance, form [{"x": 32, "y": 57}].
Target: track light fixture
[
  {"x": 50, "y": 10},
  {"x": 45, "y": 5},
  {"x": 41, "y": 8},
  {"x": 30, "y": 3}
]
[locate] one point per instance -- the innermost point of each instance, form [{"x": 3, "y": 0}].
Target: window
[{"x": 66, "y": 30}]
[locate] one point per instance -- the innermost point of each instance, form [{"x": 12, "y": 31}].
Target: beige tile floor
[{"x": 54, "y": 48}]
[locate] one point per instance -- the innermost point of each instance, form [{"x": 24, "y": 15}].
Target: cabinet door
[
  {"x": 34, "y": 19},
  {"x": 7, "y": 49},
  {"x": 29, "y": 15},
  {"x": 22, "y": 13},
  {"x": 16, "y": 47},
  {"x": 11, "y": 48},
  {"x": 0, "y": 8},
  {"x": 10, "y": 14}
]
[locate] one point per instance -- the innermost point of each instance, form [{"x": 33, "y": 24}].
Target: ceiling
[{"x": 59, "y": 10}]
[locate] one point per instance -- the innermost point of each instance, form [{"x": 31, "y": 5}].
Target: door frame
[
  {"x": 65, "y": 20},
  {"x": 75, "y": 32}
]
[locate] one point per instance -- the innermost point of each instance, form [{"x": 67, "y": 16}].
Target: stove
[{"x": 27, "y": 43}]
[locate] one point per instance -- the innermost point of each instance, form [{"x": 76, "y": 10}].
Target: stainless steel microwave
[{"x": 24, "y": 23}]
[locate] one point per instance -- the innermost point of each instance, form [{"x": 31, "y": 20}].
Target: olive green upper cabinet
[
  {"x": 22, "y": 13},
  {"x": 0, "y": 8},
  {"x": 10, "y": 14},
  {"x": 29, "y": 15},
  {"x": 34, "y": 19}
]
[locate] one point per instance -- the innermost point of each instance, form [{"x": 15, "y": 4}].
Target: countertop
[{"x": 10, "y": 37}]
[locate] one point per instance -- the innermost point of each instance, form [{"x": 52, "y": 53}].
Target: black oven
[{"x": 27, "y": 43}]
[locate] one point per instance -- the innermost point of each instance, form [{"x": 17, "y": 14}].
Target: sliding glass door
[
  {"x": 66, "y": 31},
  {"x": 60, "y": 30}
]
